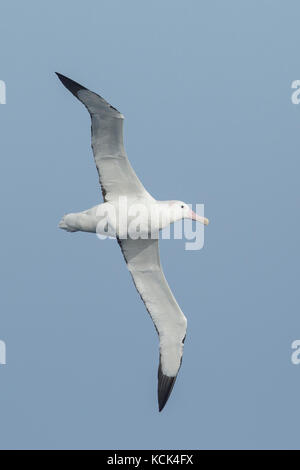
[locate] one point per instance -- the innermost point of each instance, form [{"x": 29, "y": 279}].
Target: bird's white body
[
  {"x": 135, "y": 218},
  {"x": 123, "y": 216}
]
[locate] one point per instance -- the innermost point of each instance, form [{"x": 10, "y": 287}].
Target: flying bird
[{"x": 140, "y": 248}]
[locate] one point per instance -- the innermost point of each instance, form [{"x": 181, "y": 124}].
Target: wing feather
[
  {"x": 116, "y": 175},
  {"x": 142, "y": 258}
]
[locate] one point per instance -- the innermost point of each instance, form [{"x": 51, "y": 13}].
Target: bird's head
[{"x": 180, "y": 210}]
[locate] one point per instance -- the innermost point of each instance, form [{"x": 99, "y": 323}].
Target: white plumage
[{"x": 118, "y": 180}]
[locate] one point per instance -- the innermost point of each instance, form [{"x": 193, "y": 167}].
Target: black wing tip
[
  {"x": 72, "y": 86},
  {"x": 165, "y": 387}
]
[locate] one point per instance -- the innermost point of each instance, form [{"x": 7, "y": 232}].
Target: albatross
[{"x": 140, "y": 248}]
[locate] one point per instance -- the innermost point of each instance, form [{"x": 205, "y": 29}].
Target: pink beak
[{"x": 199, "y": 218}]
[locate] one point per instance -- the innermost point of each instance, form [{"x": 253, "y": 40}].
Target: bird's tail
[{"x": 63, "y": 225}]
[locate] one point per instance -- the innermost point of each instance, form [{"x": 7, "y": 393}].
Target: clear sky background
[{"x": 205, "y": 87}]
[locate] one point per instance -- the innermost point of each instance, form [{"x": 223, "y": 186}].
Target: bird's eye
[{"x": 182, "y": 207}]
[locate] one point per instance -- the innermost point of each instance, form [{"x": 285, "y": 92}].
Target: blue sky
[{"x": 205, "y": 87}]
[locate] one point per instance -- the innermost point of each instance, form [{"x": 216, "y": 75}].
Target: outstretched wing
[
  {"x": 116, "y": 175},
  {"x": 142, "y": 258}
]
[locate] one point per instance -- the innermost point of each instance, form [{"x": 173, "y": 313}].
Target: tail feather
[{"x": 63, "y": 225}]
